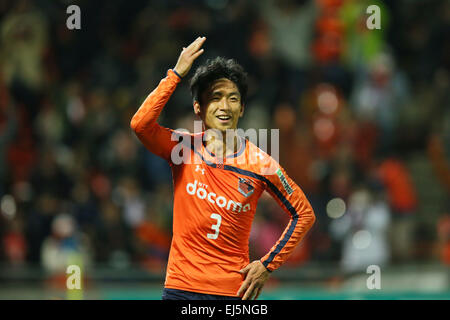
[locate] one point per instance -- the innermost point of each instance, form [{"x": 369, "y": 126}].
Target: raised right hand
[{"x": 188, "y": 56}]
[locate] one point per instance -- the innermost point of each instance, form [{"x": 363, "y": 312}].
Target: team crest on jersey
[{"x": 245, "y": 186}]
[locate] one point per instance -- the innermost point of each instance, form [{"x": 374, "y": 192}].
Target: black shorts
[{"x": 175, "y": 294}]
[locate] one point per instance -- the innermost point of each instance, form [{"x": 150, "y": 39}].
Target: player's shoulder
[
  {"x": 259, "y": 161},
  {"x": 253, "y": 149},
  {"x": 182, "y": 134},
  {"x": 270, "y": 169}
]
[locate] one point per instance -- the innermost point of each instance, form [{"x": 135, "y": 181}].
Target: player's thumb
[{"x": 245, "y": 269}]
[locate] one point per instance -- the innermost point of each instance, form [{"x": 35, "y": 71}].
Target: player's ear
[
  {"x": 197, "y": 108},
  {"x": 242, "y": 111}
]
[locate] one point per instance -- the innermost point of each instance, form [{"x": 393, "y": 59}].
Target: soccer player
[{"x": 217, "y": 186}]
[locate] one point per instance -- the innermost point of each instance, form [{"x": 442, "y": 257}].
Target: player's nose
[{"x": 224, "y": 105}]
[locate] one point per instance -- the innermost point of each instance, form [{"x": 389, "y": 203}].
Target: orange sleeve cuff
[{"x": 173, "y": 74}]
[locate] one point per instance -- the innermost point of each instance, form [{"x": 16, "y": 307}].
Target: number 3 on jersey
[{"x": 215, "y": 227}]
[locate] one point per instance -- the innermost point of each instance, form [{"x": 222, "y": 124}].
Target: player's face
[{"x": 221, "y": 105}]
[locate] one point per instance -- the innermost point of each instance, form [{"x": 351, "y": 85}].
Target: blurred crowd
[{"x": 355, "y": 107}]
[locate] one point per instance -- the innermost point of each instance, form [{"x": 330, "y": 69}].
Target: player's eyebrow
[{"x": 220, "y": 92}]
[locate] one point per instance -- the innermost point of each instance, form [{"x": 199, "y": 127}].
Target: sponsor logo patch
[{"x": 284, "y": 182}]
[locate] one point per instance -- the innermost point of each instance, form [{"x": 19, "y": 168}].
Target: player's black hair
[{"x": 215, "y": 69}]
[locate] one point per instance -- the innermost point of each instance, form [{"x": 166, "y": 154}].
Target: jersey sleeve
[
  {"x": 156, "y": 138},
  {"x": 292, "y": 199}
]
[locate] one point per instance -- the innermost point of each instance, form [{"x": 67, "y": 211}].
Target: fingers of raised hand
[
  {"x": 194, "y": 46},
  {"x": 195, "y": 55}
]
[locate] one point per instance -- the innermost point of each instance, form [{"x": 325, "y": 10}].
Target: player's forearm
[
  {"x": 146, "y": 116},
  {"x": 292, "y": 199},
  {"x": 294, "y": 233}
]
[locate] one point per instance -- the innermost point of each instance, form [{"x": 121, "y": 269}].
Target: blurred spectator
[
  {"x": 48, "y": 176},
  {"x": 401, "y": 192},
  {"x": 113, "y": 241},
  {"x": 8, "y": 128},
  {"x": 283, "y": 16},
  {"x": 291, "y": 25},
  {"x": 361, "y": 45},
  {"x": 131, "y": 201},
  {"x": 443, "y": 230},
  {"x": 379, "y": 96},
  {"x": 14, "y": 245},
  {"x": 438, "y": 144},
  {"x": 23, "y": 42},
  {"x": 24, "y": 36},
  {"x": 38, "y": 224},
  {"x": 403, "y": 202},
  {"x": 297, "y": 150},
  {"x": 329, "y": 32},
  {"x": 155, "y": 241},
  {"x": 65, "y": 246},
  {"x": 363, "y": 230}
]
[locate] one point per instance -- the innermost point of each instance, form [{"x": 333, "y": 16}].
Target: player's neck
[{"x": 224, "y": 144}]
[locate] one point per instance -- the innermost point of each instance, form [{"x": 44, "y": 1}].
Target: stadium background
[{"x": 364, "y": 119}]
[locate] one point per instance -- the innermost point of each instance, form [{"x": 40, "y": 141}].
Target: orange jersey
[{"x": 215, "y": 202}]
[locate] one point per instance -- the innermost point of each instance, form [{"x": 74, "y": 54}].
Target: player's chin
[{"x": 225, "y": 126}]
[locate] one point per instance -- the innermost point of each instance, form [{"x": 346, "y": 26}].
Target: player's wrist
[
  {"x": 266, "y": 267},
  {"x": 177, "y": 73}
]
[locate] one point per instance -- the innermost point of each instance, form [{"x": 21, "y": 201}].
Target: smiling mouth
[{"x": 223, "y": 117}]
